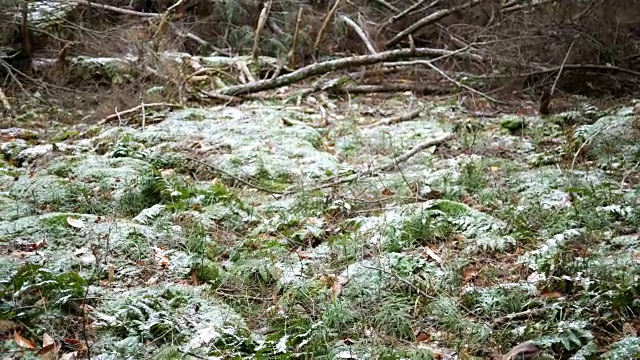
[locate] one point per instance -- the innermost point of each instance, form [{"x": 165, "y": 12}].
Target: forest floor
[{"x": 268, "y": 230}]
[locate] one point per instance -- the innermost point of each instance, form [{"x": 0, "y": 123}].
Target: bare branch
[
  {"x": 360, "y": 33},
  {"x": 333, "y": 65},
  {"x": 438, "y": 15}
]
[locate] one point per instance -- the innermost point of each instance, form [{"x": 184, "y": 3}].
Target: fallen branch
[
  {"x": 387, "y": 5},
  {"x": 395, "y": 119},
  {"x": 518, "y": 316},
  {"x": 339, "y": 64},
  {"x": 553, "y": 70},
  {"x": 115, "y": 9},
  {"x": 528, "y": 4},
  {"x": 183, "y": 33},
  {"x": 394, "y": 163},
  {"x": 418, "y": 88},
  {"x": 118, "y": 114},
  {"x": 218, "y": 170}
]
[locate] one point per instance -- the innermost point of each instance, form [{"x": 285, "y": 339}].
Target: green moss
[
  {"x": 315, "y": 140},
  {"x": 513, "y": 124},
  {"x": 278, "y": 182},
  {"x": 194, "y": 116},
  {"x": 64, "y": 135},
  {"x": 57, "y": 226},
  {"x": 451, "y": 208}
]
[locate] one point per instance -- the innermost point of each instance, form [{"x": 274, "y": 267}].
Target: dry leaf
[
  {"x": 69, "y": 356},
  {"x": 40, "y": 244},
  {"x": 303, "y": 254},
  {"x": 22, "y": 342},
  {"x": 387, "y": 192},
  {"x": 551, "y": 294},
  {"x": 47, "y": 340},
  {"x": 49, "y": 349},
  {"x": 75, "y": 223},
  {"x": 422, "y": 336},
  {"x": 161, "y": 258},
  {"x": 469, "y": 274},
  {"x": 76, "y": 344},
  {"x": 336, "y": 290},
  {"x": 167, "y": 172},
  {"x": 86, "y": 308},
  {"x": 433, "y": 255},
  {"x": 20, "y": 254}
]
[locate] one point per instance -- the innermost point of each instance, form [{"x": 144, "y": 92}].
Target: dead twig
[
  {"x": 518, "y": 316},
  {"x": 294, "y": 43},
  {"x": 418, "y": 88},
  {"x": 135, "y": 109},
  {"x": 401, "y": 279},
  {"x": 360, "y": 33},
  {"x": 457, "y": 83},
  {"x": 407, "y": 11},
  {"x": 245, "y": 182},
  {"x": 564, "y": 62},
  {"x": 396, "y": 119},
  {"x": 115, "y": 9},
  {"x": 436, "y": 16},
  {"x": 325, "y": 23},
  {"x": 395, "y": 162},
  {"x": 264, "y": 14}
]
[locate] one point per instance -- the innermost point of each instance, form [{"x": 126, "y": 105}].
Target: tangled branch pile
[{"x": 490, "y": 48}]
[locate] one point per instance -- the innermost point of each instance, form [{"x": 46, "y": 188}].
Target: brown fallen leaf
[
  {"x": 422, "y": 336},
  {"x": 469, "y": 274},
  {"x": 550, "y": 294},
  {"x": 49, "y": 349},
  {"x": 23, "y": 342},
  {"x": 161, "y": 257}
]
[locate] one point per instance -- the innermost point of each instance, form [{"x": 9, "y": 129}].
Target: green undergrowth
[{"x": 522, "y": 229}]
